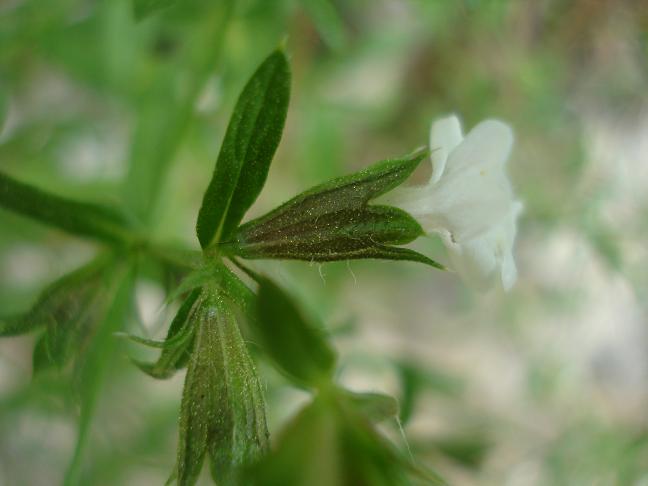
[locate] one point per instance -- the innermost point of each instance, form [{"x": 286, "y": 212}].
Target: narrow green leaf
[
  {"x": 377, "y": 407},
  {"x": 223, "y": 412},
  {"x": 327, "y": 21},
  {"x": 467, "y": 450},
  {"x": 17, "y": 325},
  {"x": 4, "y": 106},
  {"x": 179, "y": 341},
  {"x": 144, "y": 8},
  {"x": 298, "y": 348},
  {"x": 165, "y": 112},
  {"x": 79, "y": 218},
  {"x": 40, "y": 356},
  {"x": 98, "y": 356},
  {"x": 250, "y": 142}
]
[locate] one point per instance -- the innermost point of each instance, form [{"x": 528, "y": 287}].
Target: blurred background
[{"x": 544, "y": 385}]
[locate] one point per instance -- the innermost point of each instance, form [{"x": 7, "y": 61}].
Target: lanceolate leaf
[
  {"x": 334, "y": 221},
  {"x": 164, "y": 111},
  {"x": 222, "y": 413},
  {"x": 78, "y": 218},
  {"x": 296, "y": 346},
  {"x": 98, "y": 355},
  {"x": 250, "y": 142}
]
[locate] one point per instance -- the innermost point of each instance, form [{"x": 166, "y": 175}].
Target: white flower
[{"x": 469, "y": 201}]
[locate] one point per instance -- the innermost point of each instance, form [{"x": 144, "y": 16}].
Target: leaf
[
  {"x": 328, "y": 443},
  {"x": 17, "y": 325},
  {"x": 414, "y": 380},
  {"x": 66, "y": 307},
  {"x": 223, "y": 412},
  {"x": 178, "y": 342},
  {"x": 250, "y": 142},
  {"x": 144, "y": 8},
  {"x": 298, "y": 348},
  {"x": 333, "y": 221},
  {"x": 98, "y": 356},
  {"x": 163, "y": 111},
  {"x": 4, "y": 106},
  {"x": 467, "y": 450},
  {"x": 377, "y": 407},
  {"x": 78, "y": 218},
  {"x": 327, "y": 21}
]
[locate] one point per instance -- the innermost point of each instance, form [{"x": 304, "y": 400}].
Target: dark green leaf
[
  {"x": 17, "y": 325},
  {"x": 40, "y": 356},
  {"x": 78, "y": 218},
  {"x": 178, "y": 343},
  {"x": 223, "y": 412},
  {"x": 250, "y": 142},
  {"x": 298, "y": 348},
  {"x": 327, "y": 21},
  {"x": 144, "y": 8}
]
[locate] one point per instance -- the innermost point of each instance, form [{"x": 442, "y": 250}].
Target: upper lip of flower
[
  {"x": 468, "y": 191},
  {"x": 468, "y": 200}
]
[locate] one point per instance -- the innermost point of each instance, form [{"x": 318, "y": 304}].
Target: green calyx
[{"x": 334, "y": 221}]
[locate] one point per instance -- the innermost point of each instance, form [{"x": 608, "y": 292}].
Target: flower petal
[
  {"x": 474, "y": 193},
  {"x": 485, "y": 148},
  {"x": 445, "y": 136},
  {"x": 482, "y": 260}
]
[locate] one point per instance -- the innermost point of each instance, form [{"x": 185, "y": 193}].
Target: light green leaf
[
  {"x": 165, "y": 112},
  {"x": 298, "y": 348},
  {"x": 144, "y": 8},
  {"x": 98, "y": 356},
  {"x": 223, "y": 412},
  {"x": 4, "y": 106},
  {"x": 79, "y": 218},
  {"x": 327, "y": 21},
  {"x": 330, "y": 442},
  {"x": 377, "y": 407},
  {"x": 68, "y": 308},
  {"x": 250, "y": 142}
]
